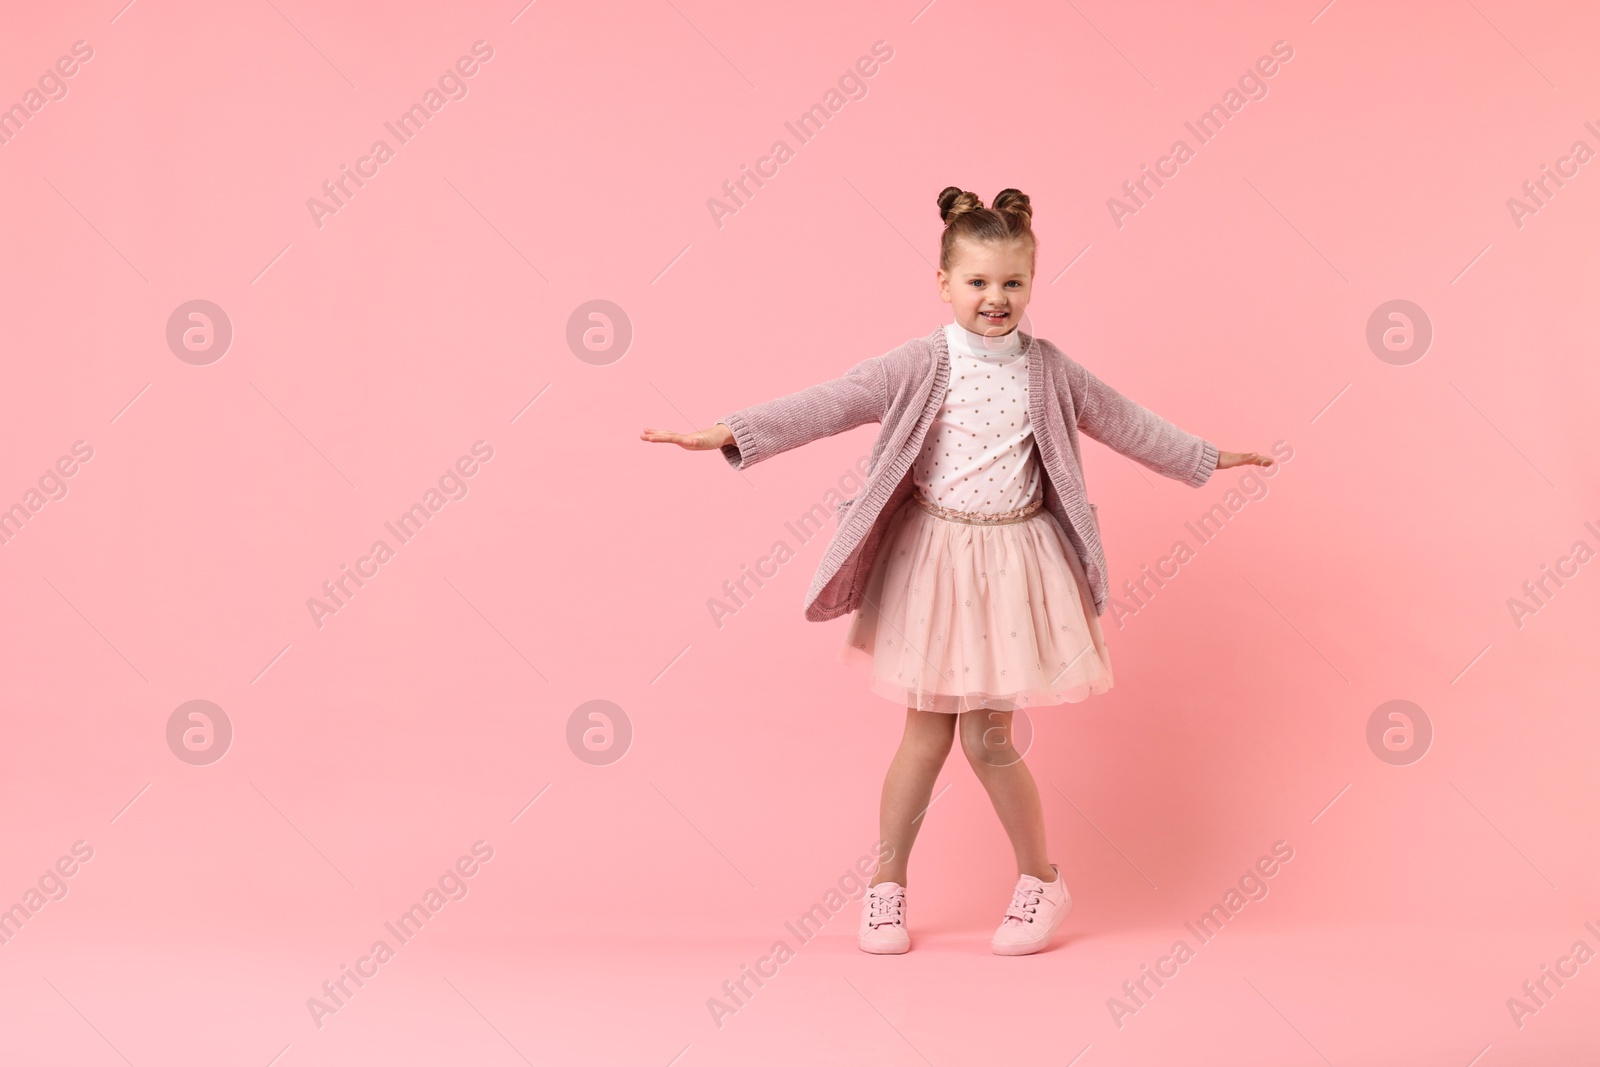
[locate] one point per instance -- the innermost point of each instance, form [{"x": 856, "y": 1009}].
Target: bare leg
[
  {"x": 909, "y": 785},
  {"x": 986, "y": 739}
]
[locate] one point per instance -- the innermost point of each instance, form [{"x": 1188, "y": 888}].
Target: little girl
[{"x": 971, "y": 557}]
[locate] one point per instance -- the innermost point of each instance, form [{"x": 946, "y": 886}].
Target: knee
[
  {"x": 930, "y": 736},
  {"x": 986, "y": 739}
]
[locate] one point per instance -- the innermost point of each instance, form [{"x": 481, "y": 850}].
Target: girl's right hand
[{"x": 699, "y": 441}]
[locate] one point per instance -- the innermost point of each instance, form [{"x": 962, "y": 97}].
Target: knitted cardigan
[{"x": 903, "y": 390}]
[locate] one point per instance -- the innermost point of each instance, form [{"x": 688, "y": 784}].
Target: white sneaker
[
  {"x": 883, "y": 919},
  {"x": 1037, "y": 908}
]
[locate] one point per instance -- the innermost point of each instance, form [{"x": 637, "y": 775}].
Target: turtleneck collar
[{"x": 1000, "y": 349}]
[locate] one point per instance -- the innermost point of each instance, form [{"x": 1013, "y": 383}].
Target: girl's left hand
[{"x": 1239, "y": 459}]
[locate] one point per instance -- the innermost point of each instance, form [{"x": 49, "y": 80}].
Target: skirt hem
[{"x": 960, "y": 703}]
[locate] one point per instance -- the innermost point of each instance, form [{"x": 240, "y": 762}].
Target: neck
[{"x": 986, "y": 345}]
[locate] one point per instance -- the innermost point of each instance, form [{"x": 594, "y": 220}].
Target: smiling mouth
[{"x": 994, "y": 316}]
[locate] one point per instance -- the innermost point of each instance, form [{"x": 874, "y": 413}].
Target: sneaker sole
[
  {"x": 1027, "y": 948},
  {"x": 883, "y": 948}
]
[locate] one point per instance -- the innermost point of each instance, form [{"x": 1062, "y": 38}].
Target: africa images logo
[{"x": 451, "y": 85}]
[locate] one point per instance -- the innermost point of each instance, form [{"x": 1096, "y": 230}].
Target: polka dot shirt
[{"x": 979, "y": 453}]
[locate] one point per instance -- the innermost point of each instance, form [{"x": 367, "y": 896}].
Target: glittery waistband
[{"x": 979, "y": 518}]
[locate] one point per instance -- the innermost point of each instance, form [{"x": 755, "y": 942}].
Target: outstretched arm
[
  {"x": 1137, "y": 432},
  {"x": 1140, "y": 434},
  {"x": 761, "y": 431}
]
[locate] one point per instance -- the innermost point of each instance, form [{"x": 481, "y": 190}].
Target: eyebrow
[{"x": 980, "y": 274}]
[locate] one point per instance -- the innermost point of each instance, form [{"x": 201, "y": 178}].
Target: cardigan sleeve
[
  {"x": 1139, "y": 433},
  {"x": 762, "y": 431}
]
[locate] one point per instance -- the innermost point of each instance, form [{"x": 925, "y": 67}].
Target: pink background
[{"x": 432, "y": 310}]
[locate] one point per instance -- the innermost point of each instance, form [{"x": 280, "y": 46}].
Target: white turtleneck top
[{"x": 979, "y": 453}]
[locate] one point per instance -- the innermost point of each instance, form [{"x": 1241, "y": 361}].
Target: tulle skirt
[{"x": 958, "y": 616}]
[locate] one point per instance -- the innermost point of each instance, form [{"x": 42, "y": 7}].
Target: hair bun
[
  {"x": 955, "y": 202},
  {"x": 1013, "y": 202}
]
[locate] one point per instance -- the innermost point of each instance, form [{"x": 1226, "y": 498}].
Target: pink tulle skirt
[{"x": 958, "y": 617}]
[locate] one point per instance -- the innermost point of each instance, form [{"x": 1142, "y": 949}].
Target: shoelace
[
  {"x": 886, "y": 908},
  {"x": 1024, "y": 902}
]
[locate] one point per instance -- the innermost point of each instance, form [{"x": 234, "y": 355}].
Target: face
[{"x": 988, "y": 285}]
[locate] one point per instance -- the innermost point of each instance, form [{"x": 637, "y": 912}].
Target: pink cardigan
[{"x": 903, "y": 389}]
